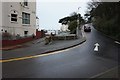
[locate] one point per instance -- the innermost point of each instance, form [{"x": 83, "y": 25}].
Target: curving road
[{"x": 78, "y": 62}]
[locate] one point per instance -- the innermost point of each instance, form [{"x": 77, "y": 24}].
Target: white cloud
[{"x": 50, "y": 12}]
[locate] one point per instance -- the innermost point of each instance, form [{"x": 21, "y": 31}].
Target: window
[
  {"x": 25, "y": 3},
  {"x": 25, "y": 33},
  {"x": 5, "y": 30},
  {"x": 25, "y": 18},
  {"x": 14, "y": 17},
  {"x": 1, "y": 29}
]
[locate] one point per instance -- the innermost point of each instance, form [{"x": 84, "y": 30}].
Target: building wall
[
  {"x": 64, "y": 27},
  {"x": 37, "y": 23},
  {"x": 39, "y": 34},
  {"x": 0, "y": 16},
  {"x": 15, "y": 28}
]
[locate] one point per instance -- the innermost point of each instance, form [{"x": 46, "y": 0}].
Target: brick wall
[
  {"x": 39, "y": 34},
  {"x": 16, "y": 42}
]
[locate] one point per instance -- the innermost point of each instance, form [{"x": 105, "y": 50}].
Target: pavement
[
  {"x": 22, "y": 45},
  {"x": 38, "y": 46}
]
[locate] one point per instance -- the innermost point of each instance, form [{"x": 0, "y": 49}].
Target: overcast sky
[{"x": 50, "y": 11}]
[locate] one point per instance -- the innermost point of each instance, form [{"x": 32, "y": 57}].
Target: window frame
[
  {"x": 25, "y": 18},
  {"x": 14, "y": 18},
  {"x": 25, "y": 2}
]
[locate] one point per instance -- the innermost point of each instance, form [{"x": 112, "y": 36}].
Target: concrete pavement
[
  {"x": 22, "y": 45},
  {"x": 38, "y": 47}
]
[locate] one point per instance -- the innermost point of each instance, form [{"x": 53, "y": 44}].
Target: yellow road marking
[{"x": 30, "y": 57}]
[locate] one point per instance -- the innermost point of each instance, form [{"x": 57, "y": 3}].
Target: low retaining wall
[
  {"x": 39, "y": 34},
  {"x": 64, "y": 37},
  {"x": 16, "y": 42}
]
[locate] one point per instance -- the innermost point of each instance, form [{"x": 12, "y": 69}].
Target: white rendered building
[
  {"x": 37, "y": 23},
  {"x": 64, "y": 27},
  {"x": 19, "y": 17}
]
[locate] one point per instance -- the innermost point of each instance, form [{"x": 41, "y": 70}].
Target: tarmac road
[{"x": 78, "y": 62}]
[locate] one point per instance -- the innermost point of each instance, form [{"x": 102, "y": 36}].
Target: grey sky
[{"x": 50, "y": 11}]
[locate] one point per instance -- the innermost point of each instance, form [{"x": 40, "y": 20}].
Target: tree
[
  {"x": 72, "y": 26},
  {"x": 106, "y": 17},
  {"x": 72, "y": 21},
  {"x": 64, "y": 20}
]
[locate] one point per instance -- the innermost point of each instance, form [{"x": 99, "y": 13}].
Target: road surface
[{"x": 78, "y": 62}]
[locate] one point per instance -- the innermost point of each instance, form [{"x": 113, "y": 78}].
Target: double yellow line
[{"x": 30, "y": 57}]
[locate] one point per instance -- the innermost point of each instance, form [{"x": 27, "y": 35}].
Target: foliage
[
  {"x": 72, "y": 21},
  {"x": 106, "y": 17},
  {"x": 72, "y": 26},
  {"x": 6, "y": 36}
]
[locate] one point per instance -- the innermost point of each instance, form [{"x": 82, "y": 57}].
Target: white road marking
[
  {"x": 117, "y": 42},
  {"x": 96, "y": 47}
]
